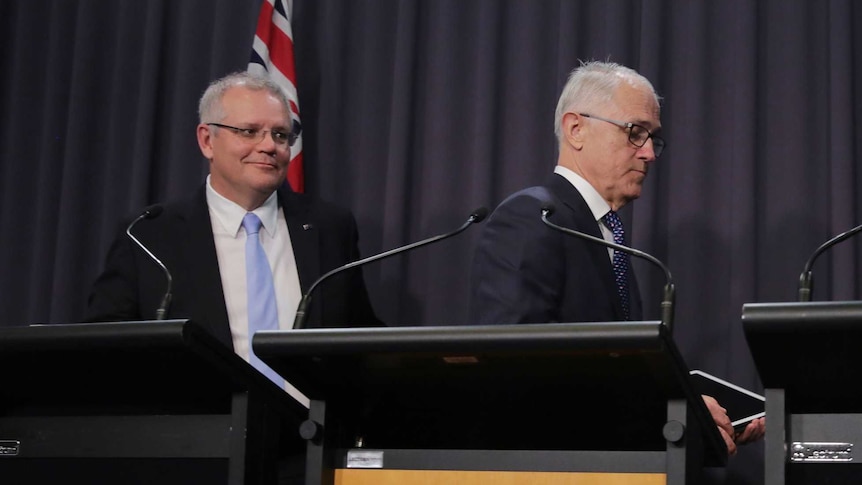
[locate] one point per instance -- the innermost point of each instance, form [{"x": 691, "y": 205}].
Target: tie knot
[
  {"x": 251, "y": 223},
  {"x": 612, "y": 220}
]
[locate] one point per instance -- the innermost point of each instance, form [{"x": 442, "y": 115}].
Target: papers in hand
[{"x": 742, "y": 405}]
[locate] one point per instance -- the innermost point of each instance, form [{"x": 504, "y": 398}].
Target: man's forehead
[
  {"x": 241, "y": 100},
  {"x": 637, "y": 104}
]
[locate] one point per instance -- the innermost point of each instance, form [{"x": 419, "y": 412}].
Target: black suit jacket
[
  {"x": 526, "y": 272},
  {"x": 132, "y": 285}
]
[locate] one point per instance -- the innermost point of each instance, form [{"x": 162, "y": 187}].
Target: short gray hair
[
  {"x": 210, "y": 108},
  {"x": 593, "y": 84}
]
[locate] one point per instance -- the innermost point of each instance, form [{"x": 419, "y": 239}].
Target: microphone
[
  {"x": 152, "y": 212},
  {"x": 477, "y": 215},
  {"x": 806, "y": 282},
  {"x": 666, "y": 304}
]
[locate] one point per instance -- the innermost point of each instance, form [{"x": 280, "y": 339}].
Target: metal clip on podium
[
  {"x": 611, "y": 399},
  {"x": 137, "y": 402}
]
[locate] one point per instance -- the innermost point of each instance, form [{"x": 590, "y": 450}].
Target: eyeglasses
[
  {"x": 255, "y": 135},
  {"x": 638, "y": 135}
]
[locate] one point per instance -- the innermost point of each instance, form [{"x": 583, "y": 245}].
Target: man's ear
[
  {"x": 573, "y": 126},
  {"x": 205, "y": 139}
]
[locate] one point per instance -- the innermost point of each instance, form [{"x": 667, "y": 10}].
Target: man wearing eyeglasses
[
  {"x": 607, "y": 125},
  {"x": 245, "y": 133}
]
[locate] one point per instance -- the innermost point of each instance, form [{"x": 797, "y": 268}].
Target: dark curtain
[{"x": 417, "y": 112}]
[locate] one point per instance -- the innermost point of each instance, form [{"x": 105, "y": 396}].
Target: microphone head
[
  {"x": 548, "y": 208},
  {"x": 479, "y": 214},
  {"x": 153, "y": 211}
]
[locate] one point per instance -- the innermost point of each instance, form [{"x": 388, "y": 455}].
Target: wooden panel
[{"x": 448, "y": 477}]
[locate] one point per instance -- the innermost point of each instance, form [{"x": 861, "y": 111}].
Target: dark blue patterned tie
[{"x": 621, "y": 260}]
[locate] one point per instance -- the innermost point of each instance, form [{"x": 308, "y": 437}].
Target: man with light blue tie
[{"x": 244, "y": 247}]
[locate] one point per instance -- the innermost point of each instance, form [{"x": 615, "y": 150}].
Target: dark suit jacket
[
  {"x": 132, "y": 285},
  {"x": 526, "y": 272}
]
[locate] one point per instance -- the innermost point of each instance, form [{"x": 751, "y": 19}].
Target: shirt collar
[
  {"x": 598, "y": 206},
  {"x": 229, "y": 214}
]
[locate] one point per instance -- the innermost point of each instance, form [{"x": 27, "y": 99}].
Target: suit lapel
[
  {"x": 581, "y": 218},
  {"x": 198, "y": 248},
  {"x": 305, "y": 239}
]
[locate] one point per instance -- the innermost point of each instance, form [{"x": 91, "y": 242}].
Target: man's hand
[
  {"x": 752, "y": 432},
  {"x": 719, "y": 415}
]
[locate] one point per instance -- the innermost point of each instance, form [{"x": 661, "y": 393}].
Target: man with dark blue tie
[{"x": 607, "y": 124}]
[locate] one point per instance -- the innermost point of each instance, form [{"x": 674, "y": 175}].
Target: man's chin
[
  {"x": 633, "y": 194},
  {"x": 269, "y": 182}
]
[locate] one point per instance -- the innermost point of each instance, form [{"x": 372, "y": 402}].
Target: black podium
[
  {"x": 585, "y": 397},
  {"x": 809, "y": 359},
  {"x": 137, "y": 402}
]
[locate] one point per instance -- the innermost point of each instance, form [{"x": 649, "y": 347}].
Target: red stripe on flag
[
  {"x": 264, "y": 20},
  {"x": 279, "y": 44},
  {"x": 280, "y": 55},
  {"x": 295, "y": 174},
  {"x": 281, "y": 52}
]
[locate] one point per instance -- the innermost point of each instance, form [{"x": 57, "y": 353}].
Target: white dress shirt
[{"x": 229, "y": 236}]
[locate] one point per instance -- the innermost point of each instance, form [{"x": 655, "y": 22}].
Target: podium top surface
[
  {"x": 324, "y": 362},
  {"x": 644, "y": 336},
  {"x": 809, "y": 349},
  {"x": 608, "y": 382},
  {"x": 172, "y": 366}
]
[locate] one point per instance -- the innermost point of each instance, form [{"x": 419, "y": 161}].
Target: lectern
[
  {"x": 611, "y": 401},
  {"x": 137, "y": 402},
  {"x": 809, "y": 359}
]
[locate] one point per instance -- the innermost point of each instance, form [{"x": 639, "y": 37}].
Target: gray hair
[
  {"x": 593, "y": 84},
  {"x": 210, "y": 108}
]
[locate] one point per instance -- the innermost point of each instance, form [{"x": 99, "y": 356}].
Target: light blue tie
[
  {"x": 621, "y": 260},
  {"x": 262, "y": 310}
]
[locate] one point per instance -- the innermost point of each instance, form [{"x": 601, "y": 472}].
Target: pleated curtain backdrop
[{"x": 417, "y": 112}]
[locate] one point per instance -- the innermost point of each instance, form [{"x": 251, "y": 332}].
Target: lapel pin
[{"x": 306, "y": 227}]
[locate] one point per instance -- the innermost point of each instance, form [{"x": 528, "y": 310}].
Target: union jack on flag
[{"x": 272, "y": 55}]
